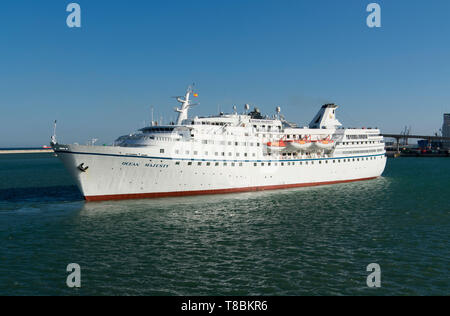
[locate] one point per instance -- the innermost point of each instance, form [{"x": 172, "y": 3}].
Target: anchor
[{"x": 82, "y": 168}]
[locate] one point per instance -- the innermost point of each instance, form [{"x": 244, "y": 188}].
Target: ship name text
[{"x": 149, "y": 165}]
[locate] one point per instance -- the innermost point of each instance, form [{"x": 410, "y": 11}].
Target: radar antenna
[{"x": 185, "y": 105}]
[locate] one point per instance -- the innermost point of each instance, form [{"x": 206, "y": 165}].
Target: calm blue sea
[{"x": 309, "y": 241}]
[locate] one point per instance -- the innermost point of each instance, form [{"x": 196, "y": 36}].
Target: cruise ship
[{"x": 224, "y": 153}]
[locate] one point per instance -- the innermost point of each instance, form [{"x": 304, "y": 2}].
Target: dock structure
[
  {"x": 446, "y": 129},
  {"x": 397, "y": 137}
]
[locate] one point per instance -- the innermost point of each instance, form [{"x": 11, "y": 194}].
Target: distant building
[
  {"x": 446, "y": 129},
  {"x": 425, "y": 144}
]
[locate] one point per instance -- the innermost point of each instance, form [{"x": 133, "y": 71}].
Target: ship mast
[
  {"x": 54, "y": 141},
  {"x": 185, "y": 105}
]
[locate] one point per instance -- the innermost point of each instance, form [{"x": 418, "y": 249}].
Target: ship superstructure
[{"x": 225, "y": 153}]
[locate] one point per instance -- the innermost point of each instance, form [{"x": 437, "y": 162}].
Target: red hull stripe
[{"x": 218, "y": 191}]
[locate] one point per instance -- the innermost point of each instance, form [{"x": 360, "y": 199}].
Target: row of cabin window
[
  {"x": 226, "y": 123},
  {"x": 210, "y": 123},
  {"x": 187, "y": 152},
  {"x": 289, "y": 163},
  {"x": 229, "y": 143},
  {"x": 177, "y": 152},
  {"x": 357, "y": 136},
  {"x": 362, "y": 143},
  {"x": 265, "y": 154},
  {"x": 357, "y": 152},
  {"x": 206, "y": 153},
  {"x": 268, "y": 126}
]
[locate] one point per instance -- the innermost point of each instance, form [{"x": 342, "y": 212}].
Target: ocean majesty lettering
[
  {"x": 156, "y": 165},
  {"x": 149, "y": 165}
]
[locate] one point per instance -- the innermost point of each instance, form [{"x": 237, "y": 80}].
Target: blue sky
[{"x": 101, "y": 80}]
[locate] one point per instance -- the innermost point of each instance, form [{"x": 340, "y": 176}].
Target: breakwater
[{"x": 25, "y": 151}]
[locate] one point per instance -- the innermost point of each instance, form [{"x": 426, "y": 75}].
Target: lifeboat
[
  {"x": 326, "y": 144},
  {"x": 277, "y": 145},
  {"x": 300, "y": 145}
]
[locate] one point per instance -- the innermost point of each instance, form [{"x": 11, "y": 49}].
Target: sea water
[{"x": 307, "y": 241}]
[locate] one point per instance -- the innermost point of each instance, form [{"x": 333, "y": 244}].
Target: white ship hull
[
  {"x": 223, "y": 154},
  {"x": 125, "y": 173}
]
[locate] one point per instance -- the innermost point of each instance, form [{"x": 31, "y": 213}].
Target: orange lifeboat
[
  {"x": 277, "y": 145},
  {"x": 280, "y": 143},
  {"x": 326, "y": 143},
  {"x": 300, "y": 144}
]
